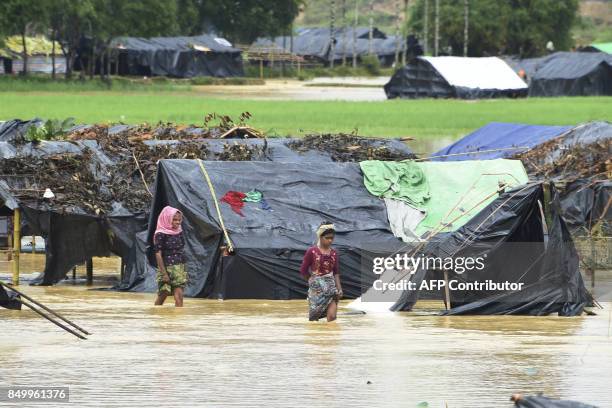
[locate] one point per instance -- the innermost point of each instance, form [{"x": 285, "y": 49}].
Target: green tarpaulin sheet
[
  {"x": 450, "y": 193},
  {"x": 402, "y": 181},
  {"x": 603, "y": 47}
]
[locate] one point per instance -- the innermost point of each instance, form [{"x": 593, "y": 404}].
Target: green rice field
[{"x": 396, "y": 118}]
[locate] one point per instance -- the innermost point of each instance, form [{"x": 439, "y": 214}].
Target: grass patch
[
  {"x": 44, "y": 83},
  {"x": 418, "y": 118}
]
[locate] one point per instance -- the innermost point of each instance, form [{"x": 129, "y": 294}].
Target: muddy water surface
[{"x": 265, "y": 353}]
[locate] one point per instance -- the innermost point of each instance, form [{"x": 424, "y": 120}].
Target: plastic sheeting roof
[
  {"x": 498, "y": 135},
  {"x": 315, "y": 41},
  {"x": 202, "y": 42},
  {"x": 482, "y": 73},
  {"x": 570, "y": 65}
]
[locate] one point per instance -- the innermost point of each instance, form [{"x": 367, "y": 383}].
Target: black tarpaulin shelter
[
  {"x": 76, "y": 233},
  {"x": 570, "y": 74},
  {"x": 383, "y": 48},
  {"x": 509, "y": 233},
  {"x": 179, "y": 57},
  {"x": 269, "y": 244},
  {"x": 315, "y": 43},
  {"x": 455, "y": 77}
]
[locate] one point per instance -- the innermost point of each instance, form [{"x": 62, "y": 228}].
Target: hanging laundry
[
  {"x": 235, "y": 200},
  {"x": 256, "y": 196},
  {"x": 253, "y": 196}
]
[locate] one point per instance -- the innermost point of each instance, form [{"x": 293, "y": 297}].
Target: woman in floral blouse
[{"x": 169, "y": 243}]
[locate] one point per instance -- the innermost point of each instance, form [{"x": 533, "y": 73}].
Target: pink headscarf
[{"x": 164, "y": 221}]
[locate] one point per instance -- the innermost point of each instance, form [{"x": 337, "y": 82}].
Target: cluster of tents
[
  {"x": 177, "y": 57},
  {"x": 558, "y": 74},
  {"x": 440, "y": 206},
  {"x": 319, "y": 45}
]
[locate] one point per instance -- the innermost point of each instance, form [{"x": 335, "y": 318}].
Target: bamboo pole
[
  {"x": 446, "y": 291},
  {"x": 16, "y": 244},
  {"x": 141, "y": 174},
  {"x": 69, "y": 330},
  {"x": 89, "y": 268},
  {"x": 23, "y": 295}
]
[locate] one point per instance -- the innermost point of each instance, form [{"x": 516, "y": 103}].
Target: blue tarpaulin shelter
[{"x": 506, "y": 139}]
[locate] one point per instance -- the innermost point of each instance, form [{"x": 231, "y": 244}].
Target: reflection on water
[{"x": 266, "y": 353}]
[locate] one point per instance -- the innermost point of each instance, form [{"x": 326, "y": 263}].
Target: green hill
[{"x": 594, "y": 24}]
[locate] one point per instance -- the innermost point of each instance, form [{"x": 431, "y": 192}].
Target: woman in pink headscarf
[{"x": 168, "y": 244}]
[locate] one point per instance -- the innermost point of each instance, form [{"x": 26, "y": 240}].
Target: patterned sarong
[
  {"x": 321, "y": 292},
  {"x": 178, "y": 278}
]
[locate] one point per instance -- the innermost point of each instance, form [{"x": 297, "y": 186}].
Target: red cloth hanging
[{"x": 234, "y": 199}]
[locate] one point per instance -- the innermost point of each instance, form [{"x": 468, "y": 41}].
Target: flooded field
[
  {"x": 291, "y": 89},
  {"x": 266, "y": 353}
]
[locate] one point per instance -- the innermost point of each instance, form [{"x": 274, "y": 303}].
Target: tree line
[
  {"x": 496, "y": 27},
  {"x": 70, "y": 21}
]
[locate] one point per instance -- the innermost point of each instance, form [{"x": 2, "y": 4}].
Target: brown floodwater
[{"x": 266, "y": 353}]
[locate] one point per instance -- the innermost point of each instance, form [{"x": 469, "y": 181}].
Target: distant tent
[
  {"x": 573, "y": 74},
  {"x": 383, "y": 48},
  {"x": 40, "y": 51},
  {"x": 455, "y": 77},
  {"x": 179, "y": 57},
  {"x": 498, "y": 140},
  {"x": 315, "y": 43}
]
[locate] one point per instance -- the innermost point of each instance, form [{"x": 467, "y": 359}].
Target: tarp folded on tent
[
  {"x": 456, "y": 190},
  {"x": 498, "y": 140},
  {"x": 455, "y": 77}
]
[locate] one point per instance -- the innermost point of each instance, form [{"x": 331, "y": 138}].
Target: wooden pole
[
  {"x": 466, "y": 24},
  {"x": 371, "y": 30},
  {"x": 397, "y": 33},
  {"x": 437, "y": 28},
  {"x": 404, "y": 45},
  {"x": 89, "y": 267},
  {"x": 354, "y": 42},
  {"x": 69, "y": 330},
  {"x": 446, "y": 291},
  {"x": 426, "y": 28},
  {"x": 344, "y": 32},
  {"x": 261, "y": 68},
  {"x": 16, "y": 244},
  {"x": 56, "y": 314},
  {"x": 332, "y": 34}
]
